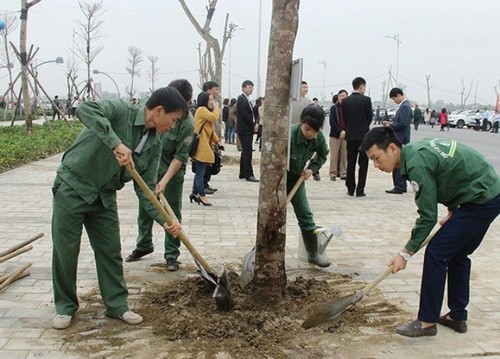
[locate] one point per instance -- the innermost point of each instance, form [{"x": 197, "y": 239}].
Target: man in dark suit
[
  {"x": 401, "y": 124},
  {"x": 245, "y": 128},
  {"x": 357, "y": 110}
]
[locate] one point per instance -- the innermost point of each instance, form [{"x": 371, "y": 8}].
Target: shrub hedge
[{"x": 17, "y": 148}]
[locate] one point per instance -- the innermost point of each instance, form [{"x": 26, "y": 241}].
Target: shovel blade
[
  {"x": 222, "y": 293},
  {"x": 248, "y": 268},
  {"x": 329, "y": 311}
]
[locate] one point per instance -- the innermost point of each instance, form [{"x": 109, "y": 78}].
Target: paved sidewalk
[{"x": 374, "y": 228}]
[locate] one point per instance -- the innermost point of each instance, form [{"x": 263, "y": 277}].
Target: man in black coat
[
  {"x": 357, "y": 110},
  {"x": 401, "y": 124},
  {"x": 245, "y": 128}
]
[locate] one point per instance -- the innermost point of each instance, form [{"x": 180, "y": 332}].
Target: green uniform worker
[
  {"x": 175, "y": 154},
  {"x": 447, "y": 172},
  {"x": 305, "y": 139},
  {"x": 85, "y": 194}
]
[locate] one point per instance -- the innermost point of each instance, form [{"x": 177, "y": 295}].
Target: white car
[
  {"x": 458, "y": 118},
  {"x": 471, "y": 120}
]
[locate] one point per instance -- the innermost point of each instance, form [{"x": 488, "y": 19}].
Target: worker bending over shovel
[
  {"x": 306, "y": 138},
  {"x": 116, "y": 134},
  {"x": 447, "y": 172}
]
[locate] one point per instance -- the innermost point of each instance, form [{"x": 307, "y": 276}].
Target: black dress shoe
[
  {"x": 460, "y": 326},
  {"x": 393, "y": 191},
  {"x": 137, "y": 254},
  {"x": 209, "y": 191},
  {"x": 317, "y": 177},
  {"x": 361, "y": 194},
  {"x": 212, "y": 189},
  {"x": 350, "y": 193},
  {"x": 172, "y": 264},
  {"x": 252, "y": 179},
  {"x": 414, "y": 329}
]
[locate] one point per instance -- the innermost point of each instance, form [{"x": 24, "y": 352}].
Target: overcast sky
[{"x": 447, "y": 39}]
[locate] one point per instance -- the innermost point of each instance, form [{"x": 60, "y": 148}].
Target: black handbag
[
  {"x": 217, "y": 163},
  {"x": 196, "y": 141}
]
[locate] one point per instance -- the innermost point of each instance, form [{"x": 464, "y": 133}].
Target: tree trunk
[
  {"x": 24, "y": 70},
  {"x": 269, "y": 274}
]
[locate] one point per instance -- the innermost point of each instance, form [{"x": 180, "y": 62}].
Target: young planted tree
[
  {"x": 88, "y": 31},
  {"x": 269, "y": 274},
  {"x": 7, "y": 56},
  {"x": 133, "y": 68},
  {"x": 23, "y": 34},
  {"x": 153, "y": 71}
]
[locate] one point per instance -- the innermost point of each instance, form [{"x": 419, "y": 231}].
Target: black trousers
[
  {"x": 355, "y": 155},
  {"x": 246, "y": 169}
]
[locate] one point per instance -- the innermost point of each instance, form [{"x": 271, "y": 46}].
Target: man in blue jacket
[{"x": 401, "y": 126}]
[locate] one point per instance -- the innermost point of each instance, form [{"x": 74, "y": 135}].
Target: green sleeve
[
  {"x": 322, "y": 153},
  {"x": 183, "y": 143},
  {"x": 149, "y": 175},
  {"x": 96, "y": 117},
  {"x": 426, "y": 201}
]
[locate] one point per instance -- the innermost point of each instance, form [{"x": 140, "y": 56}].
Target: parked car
[
  {"x": 471, "y": 121},
  {"x": 458, "y": 118}
]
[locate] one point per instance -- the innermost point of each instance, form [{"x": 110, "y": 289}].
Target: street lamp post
[
  {"x": 229, "y": 63},
  {"x": 57, "y": 60},
  {"x": 97, "y": 72},
  {"x": 398, "y": 42}
]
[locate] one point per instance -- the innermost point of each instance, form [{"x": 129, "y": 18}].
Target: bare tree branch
[
  {"x": 88, "y": 31},
  {"x": 153, "y": 71},
  {"x": 133, "y": 69}
]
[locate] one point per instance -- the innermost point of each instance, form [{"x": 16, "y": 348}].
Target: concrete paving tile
[
  {"x": 15, "y": 354},
  {"x": 33, "y": 344}
]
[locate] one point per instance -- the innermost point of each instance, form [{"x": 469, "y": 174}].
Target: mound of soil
[
  {"x": 185, "y": 312},
  {"x": 181, "y": 320}
]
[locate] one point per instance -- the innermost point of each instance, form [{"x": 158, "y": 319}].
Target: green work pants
[
  {"x": 173, "y": 194},
  {"x": 70, "y": 214},
  {"x": 300, "y": 204}
]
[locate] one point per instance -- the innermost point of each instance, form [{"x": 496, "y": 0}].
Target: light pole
[
  {"x": 57, "y": 60},
  {"x": 97, "y": 72},
  {"x": 324, "y": 78},
  {"x": 398, "y": 42},
  {"x": 229, "y": 63}
]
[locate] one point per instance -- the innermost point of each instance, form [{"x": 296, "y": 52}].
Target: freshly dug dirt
[{"x": 181, "y": 321}]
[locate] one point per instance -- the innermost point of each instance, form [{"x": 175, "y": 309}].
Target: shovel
[
  {"x": 249, "y": 258},
  {"x": 332, "y": 310},
  {"x": 222, "y": 293}
]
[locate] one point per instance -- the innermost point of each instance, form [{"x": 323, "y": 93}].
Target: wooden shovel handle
[
  {"x": 389, "y": 269},
  {"x": 168, "y": 219},
  {"x": 300, "y": 180}
]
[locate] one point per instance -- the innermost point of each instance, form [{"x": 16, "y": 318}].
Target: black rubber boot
[{"x": 311, "y": 245}]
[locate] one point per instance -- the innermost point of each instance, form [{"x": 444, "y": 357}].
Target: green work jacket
[
  {"x": 447, "y": 172},
  {"x": 176, "y": 144},
  {"x": 89, "y": 166},
  {"x": 301, "y": 150}
]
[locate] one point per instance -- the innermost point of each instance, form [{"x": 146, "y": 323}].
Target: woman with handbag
[{"x": 204, "y": 119}]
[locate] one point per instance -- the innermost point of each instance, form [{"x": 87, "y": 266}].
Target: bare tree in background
[
  {"x": 212, "y": 44},
  {"x": 153, "y": 71},
  {"x": 464, "y": 97},
  {"x": 23, "y": 37},
  {"x": 7, "y": 55},
  {"x": 269, "y": 275},
  {"x": 206, "y": 70},
  {"x": 133, "y": 68},
  {"x": 71, "y": 76},
  {"x": 88, "y": 31},
  {"x": 427, "y": 81}
]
